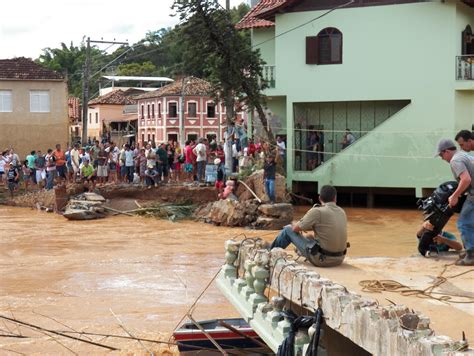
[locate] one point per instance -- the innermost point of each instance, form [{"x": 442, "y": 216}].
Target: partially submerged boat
[{"x": 234, "y": 335}]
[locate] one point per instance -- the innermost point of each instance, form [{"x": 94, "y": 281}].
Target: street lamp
[{"x": 185, "y": 82}]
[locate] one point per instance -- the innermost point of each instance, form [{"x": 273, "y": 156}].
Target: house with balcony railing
[{"x": 382, "y": 69}]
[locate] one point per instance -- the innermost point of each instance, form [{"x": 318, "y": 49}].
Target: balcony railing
[
  {"x": 465, "y": 67},
  {"x": 269, "y": 76}
]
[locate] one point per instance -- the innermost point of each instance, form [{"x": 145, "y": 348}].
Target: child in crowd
[
  {"x": 26, "y": 174},
  {"x": 13, "y": 176}
]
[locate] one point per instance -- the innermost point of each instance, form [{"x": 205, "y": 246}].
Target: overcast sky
[{"x": 28, "y": 26}]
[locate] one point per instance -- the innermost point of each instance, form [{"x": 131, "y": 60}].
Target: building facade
[
  {"x": 113, "y": 117},
  {"x": 159, "y": 113},
  {"x": 33, "y": 106},
  {"x": 398, "y": 74}
]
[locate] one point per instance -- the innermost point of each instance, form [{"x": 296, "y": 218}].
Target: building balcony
[
  {"x": 130, "y": 109},
  {"x": 269, "y": 76},
  {"x": 465, "y": 67},
  {"x": 465, "y": 72}
]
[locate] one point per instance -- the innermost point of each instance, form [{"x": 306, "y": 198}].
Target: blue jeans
[
  {"x": 465, "y": 223},
  {"x": 201, "y": 170},
  {"x": 129, "y": 173},
  {"x": 50, "y": 179},
  {"x": 270, "y": 189}
]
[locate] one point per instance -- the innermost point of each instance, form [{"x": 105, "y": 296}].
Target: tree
[
  {"x": 69, "y": 60},
  {"x": 135, "y": 69},
  {"x": 229, "y": 62}
]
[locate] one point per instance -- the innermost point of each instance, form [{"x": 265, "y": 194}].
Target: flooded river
[{"x": 76, "y": 275}]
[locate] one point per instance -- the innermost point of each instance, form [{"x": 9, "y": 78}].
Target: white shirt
[{"x": 200, "y": 151}]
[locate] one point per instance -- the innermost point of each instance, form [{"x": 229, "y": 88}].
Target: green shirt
[
  {"x": 87, "y": 171},
  {"x": 31, "y": 161}
]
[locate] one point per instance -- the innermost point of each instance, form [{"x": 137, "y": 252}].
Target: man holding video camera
[{"x": 462, "y": 167}]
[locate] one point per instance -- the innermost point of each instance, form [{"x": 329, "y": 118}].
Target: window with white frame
[
  {"x": 39, "y": 101},
  {"x": 5, "y": 101}
]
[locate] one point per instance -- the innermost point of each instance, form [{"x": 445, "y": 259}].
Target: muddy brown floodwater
[{"x": 75, "y": 275}]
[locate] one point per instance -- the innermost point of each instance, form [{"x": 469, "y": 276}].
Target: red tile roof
[
  {"x": 194, "y": 87},
  {"x": 116, "y": 97},
  {"x": 250, "y": 19},
  {"x": 25, "y": 69},
  {"x": 262, "y": 13}
]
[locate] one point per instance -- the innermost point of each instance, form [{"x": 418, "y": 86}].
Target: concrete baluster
[
  {"x": 260, "y": 272},
  {"x": 232, "y": 250},
  {"x": 249, "y": 279}
]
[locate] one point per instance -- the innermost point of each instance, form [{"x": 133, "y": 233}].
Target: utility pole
[
  {"x": 181, "y": 113},
  {"x": 85, "y": 84},
  {"x": 227, "y": 5},
  {"x": 85, "y": 91}
]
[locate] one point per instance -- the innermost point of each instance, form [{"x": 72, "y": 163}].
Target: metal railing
[
  {"x": 465, "y": 67},
  {"x": 269, "y": 76}
]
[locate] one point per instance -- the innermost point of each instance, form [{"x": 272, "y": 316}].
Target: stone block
[{"x": 276, "y": 210}]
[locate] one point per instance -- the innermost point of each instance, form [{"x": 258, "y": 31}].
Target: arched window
[{"x": 325, "y": 48}]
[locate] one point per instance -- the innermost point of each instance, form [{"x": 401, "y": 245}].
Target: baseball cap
[{"x": 444, "y": 144}]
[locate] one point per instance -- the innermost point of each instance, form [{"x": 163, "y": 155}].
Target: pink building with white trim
[{"x": 159, "y": 113}]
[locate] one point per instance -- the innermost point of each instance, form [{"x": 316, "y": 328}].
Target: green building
[{"x": 398, "y": 74}]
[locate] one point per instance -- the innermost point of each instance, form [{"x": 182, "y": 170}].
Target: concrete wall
[
  {"x": 26, "y": 131},
  {"x": 384, "y": 58}
]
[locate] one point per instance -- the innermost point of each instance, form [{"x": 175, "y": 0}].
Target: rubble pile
[
  {"x": 86, "y": 206},
  {"x": 246, "y": 213}
]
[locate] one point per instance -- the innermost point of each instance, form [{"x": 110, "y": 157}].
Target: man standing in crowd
[
  {"x": 102, "y": 161},
  {"x": 269, "y": 172},
  {"x": 162, "y": 163},
  {"x": 50, "y": 169},
  {"x": 30, "y": 159},
  {"x": 94, "y": 153},
  {"x": 465, "y": 140},
  {"x": 328, "y": 221},
  {"x": 75, "y": 161},
  {"x": 60, "y": 158},
  {"x": 201, "y": 160},
  {"x": 462, "y": 167},
  {"x": 188, "y": 161},
  {"x": 129, "y": 163},
  {"x": 113, "y": 157},
  {"x": 40, "y": 163}
]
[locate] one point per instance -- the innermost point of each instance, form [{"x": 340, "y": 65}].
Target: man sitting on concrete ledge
[{"x": 329, "y": 223}]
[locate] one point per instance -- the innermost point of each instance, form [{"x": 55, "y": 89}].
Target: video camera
[{"x": 437, "y": 212}]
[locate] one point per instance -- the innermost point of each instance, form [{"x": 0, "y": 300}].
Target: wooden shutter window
[{"x": 312, "y": 50}]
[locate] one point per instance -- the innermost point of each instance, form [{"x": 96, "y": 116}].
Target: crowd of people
[{"x": 149, "y": 164}]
